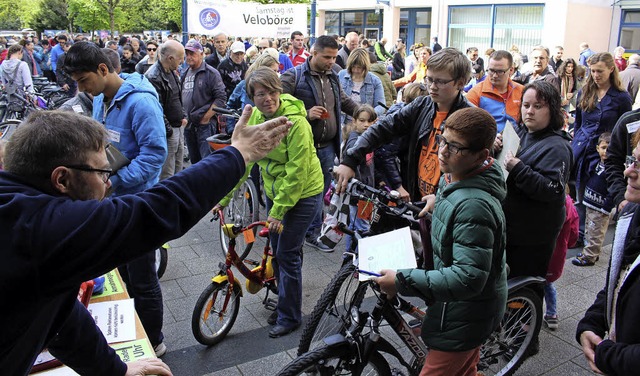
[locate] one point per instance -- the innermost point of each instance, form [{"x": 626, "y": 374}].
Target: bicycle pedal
[{"x": 270, "y": 304}]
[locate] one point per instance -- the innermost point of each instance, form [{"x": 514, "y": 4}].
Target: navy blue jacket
[
  {"x": 51, "y": 244},
  {"x": 208, "y": 89}
]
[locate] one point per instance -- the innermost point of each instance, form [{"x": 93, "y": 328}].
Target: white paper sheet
[
  {"x": 391, "y": 250},
  {"x": 510, "y": 142},
  {"x": 116, "y": 319}
]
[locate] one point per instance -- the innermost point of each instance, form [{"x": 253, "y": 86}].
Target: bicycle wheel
[
  {"x": 7, "y": 128},
  {"x": 243, "y": 209},
  {"x": 337, "y": 360},
  {"x": 161, "y": 260},
  {"x": 332, "y": 313},
  {"x": 507, "y": 348},
  {"x": 209, "y": 323}
]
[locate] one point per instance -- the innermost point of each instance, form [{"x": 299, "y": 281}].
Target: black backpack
[{"x": 14, "y": 93}]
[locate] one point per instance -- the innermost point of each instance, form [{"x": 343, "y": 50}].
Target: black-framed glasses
[
  {"x": 497, "y": 72},
  {"x": 261, "y": 48},
  {"x": 454, "y": 149},
  {"x": 632, "y": 162},
  {"x": 104, "y": 173},
  {"x": 438, "y": 82},
  {"x": 151, "y": 49}
]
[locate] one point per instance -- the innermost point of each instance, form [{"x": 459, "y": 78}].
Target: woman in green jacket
[
  {"x": 293, "y": 182},
  {"x": 467, "y": 290}
]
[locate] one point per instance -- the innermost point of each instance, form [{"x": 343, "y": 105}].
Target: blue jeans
[
  {"x": 143, "y": 286},
  {"x": 550, "y": 297},
  {"x": 327, "y": 156},
  {"x": 195, "y": 136},
  {"x": 355, "y": 224},
  {"x": 287, "y": 263}
]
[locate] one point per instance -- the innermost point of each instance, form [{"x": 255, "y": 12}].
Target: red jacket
[
  {"x": 299, "y": 58},
  {"x": 567, "y": 237}
]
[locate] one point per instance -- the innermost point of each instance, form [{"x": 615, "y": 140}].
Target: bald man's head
[{"x": 171, "y": 54}]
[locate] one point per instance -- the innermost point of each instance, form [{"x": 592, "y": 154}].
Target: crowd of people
[{"x": 428, "y": 125}]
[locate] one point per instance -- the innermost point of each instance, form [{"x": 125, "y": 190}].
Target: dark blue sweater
[{"x": 51, "y": 244}]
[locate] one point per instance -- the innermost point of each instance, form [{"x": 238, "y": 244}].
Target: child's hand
[{"x": 387, "y": 282}]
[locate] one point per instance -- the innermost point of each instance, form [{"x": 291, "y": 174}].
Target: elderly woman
[
  {"x": 293, "y": 184},
  {"x": 608, "y": 333},
  {"x": 360, "y": 84}
]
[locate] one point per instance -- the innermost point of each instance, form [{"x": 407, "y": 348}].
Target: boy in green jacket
[{"x": 467, "y": 290}]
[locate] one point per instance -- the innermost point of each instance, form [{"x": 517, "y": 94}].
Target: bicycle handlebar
[
  {"x": 230, "y": 113},
  {"x": 389, "y": 197}
]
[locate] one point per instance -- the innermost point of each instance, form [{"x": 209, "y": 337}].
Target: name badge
[
  {"x": 77, "y": 108},
  {"x": 114, "y": 136},
  {"x": 633, "y": 127}
]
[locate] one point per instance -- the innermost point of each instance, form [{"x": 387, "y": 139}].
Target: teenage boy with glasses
[{"x": 422, "y": 121}]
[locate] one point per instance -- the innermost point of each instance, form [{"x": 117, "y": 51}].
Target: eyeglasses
[
  {"x": 263, "y": 95},
  {"x": 442, "y": 142},
  {"x": 632, "y": 162},
  {"x": 151, "y": 49},
  {"x": 104, "y": 174},
  {"x": 439, "y": 83},
  {"x": 497, "y": 72}
]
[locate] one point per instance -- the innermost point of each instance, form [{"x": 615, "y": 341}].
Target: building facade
[{"x": 499, "y": 24}]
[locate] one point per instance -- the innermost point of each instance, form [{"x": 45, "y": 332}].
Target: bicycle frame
[{"x": 226, "y": 273}]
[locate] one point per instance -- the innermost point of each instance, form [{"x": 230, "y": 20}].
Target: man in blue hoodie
[{"x": 129, "y": 108}]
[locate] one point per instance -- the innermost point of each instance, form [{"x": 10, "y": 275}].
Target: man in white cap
[
  {"x": 202, "y": 88},
  {"x": 233, "y": 68}
]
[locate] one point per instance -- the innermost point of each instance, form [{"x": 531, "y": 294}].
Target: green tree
[
  {"x": 52, "y": 14},
  {"x": 17, "y": 15}
]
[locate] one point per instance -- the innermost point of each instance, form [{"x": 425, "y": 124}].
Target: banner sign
[{"x": 243, "y": 19}]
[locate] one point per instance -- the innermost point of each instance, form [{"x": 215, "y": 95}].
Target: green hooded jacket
[
  {"x": 292, "y": 170},
  {"x": 467, "y": 290}
]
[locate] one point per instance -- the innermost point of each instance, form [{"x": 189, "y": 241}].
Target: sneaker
[
  {"x": 160, "y": 350},
  {"x": 313, "y": 242},
  {"x": 551, "y": 321},
  {"x": 582, "y": 260}
]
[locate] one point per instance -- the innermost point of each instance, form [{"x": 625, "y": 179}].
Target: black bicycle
[{"x": 336, "y": 331}]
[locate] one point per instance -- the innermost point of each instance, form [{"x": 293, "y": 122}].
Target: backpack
[{"x": 15, "y": 104}]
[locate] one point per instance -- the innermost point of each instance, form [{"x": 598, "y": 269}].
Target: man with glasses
[
  {"x": 128, "y": 107},
  {"x": 163, "y": 75},
  {"x": 422, "y": 120},
  {"x": 59, "y": 230},
  {"x": 499, "y": 95}
]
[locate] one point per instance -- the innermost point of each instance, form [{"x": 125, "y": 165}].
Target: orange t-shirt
[{"x": 428, "y": 164}]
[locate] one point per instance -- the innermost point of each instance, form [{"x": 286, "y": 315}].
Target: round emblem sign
[{"x": 209, "y": 18}]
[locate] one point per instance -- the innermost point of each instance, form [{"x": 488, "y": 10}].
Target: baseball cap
[
  {"x": 237, "y": 46},
  {"x": 194, "y": 46}
]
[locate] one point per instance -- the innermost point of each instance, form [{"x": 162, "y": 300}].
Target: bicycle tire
[
  {"x": 7, "y": 128},
  {"x": 162, "y": 258},
  {"x": 206, "y": 313},
  {"x": 335, "y": 360},
  {"x": 508, "y": 347},
  {"x": 332, "y": 313},
  {"x": 243, "y": 209}
]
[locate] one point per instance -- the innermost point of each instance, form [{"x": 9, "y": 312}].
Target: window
[
  {"x": 497, "y": 26},
  {"x": 332, "y": 23},
  {"x": 629, "y": 36},
  {"x": 343, "y": 22}
]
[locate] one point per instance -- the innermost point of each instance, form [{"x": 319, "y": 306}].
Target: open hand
[
  {"x": 255, "y": 142},
  {"x": 152, "y": 366}
]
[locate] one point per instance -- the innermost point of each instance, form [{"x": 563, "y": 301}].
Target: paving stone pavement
[{"x": 248, "y": 351}]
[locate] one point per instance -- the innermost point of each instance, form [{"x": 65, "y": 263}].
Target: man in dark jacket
[
  {"x": 220, "y": 52},
  {"x": 164, "y": 78},
  {"x": 466, "y": 291},
  {"x": 59, "y": 230},
  {"x": 202, "y": 89},
  {"x": 421, "y": 120},
  {"x": 619, "y": 148},
  {"x": 316, "y": 84},
  {"x": 233, "y": 68}
]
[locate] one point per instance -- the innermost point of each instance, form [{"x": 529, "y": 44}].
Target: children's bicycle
[{"x": 217, "y": 307}]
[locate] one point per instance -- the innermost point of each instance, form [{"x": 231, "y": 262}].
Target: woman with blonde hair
[
  {"x": 600, "y": 104},
  {"x": 419, "y": 72},
  {"x": 360, "y": 84}
]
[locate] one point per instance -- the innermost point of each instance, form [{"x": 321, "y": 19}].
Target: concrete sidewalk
[{"x": 248, "y": 350}]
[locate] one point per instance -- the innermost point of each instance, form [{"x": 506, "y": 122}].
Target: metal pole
[
  {"x": 185, "y": 29},
  {"x": 312, "y": 37}
]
